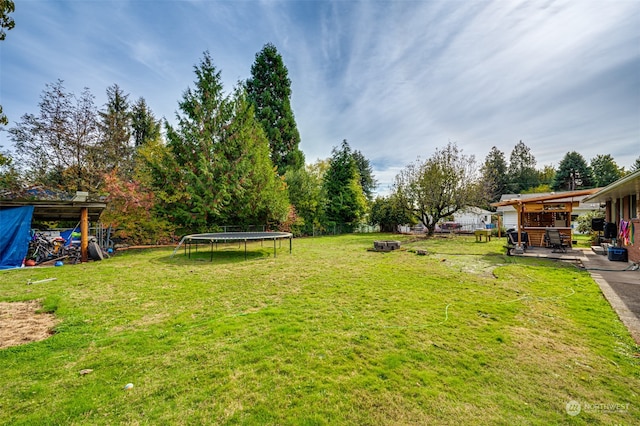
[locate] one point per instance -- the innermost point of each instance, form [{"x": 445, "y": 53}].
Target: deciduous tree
[
  {"x": 306, "y": 194},
  {"x": 388, "y": 213},
  {"x": 9, "y": 175},
  {"x": 130, "y": 211},
  {"x": 6, "y": 23},
  {"x": 438, "y": 187},
  {"x": 54, "y": 146},
  {"x": 605, "y": 170}
]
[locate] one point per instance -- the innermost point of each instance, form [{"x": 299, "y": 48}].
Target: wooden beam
[
  {"x": 84, "y": 234},
  {"x": 558, "y": 196},
  {"x": 519, "y": 225}
]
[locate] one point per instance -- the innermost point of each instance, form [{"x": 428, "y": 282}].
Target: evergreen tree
[
  {"x": 346, "y": 203},
  {"x": 218, "y": 166},
  {"x": 262, "y": 197},
  {"x": 573, "y": 173},
  {"x": 522, "y": 169},
  {"x": 494, "y": 175},
  {"x": 115, "y": 150},
  {"x": 269, "y": 90},
  {"x": 367, "y": 181},
  {"x": 198, "y": 189},
  {"x": 635, "y": 166},
  {"x": 144, "y": 126},
  {"x": 605, "y": 170}
]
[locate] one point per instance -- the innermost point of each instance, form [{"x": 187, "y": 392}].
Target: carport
[{"x": 76, "y": 209}]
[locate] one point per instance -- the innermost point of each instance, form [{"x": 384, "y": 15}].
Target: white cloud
[{"x": 395, "y": 78}]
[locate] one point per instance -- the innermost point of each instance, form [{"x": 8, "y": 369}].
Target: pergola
[{"x": 536, "y": 214}]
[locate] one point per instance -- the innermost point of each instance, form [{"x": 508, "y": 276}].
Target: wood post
[{"x": 84, "y": 233}]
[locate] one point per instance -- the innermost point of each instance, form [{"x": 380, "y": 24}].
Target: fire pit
[{"x": 386, "y": 245}]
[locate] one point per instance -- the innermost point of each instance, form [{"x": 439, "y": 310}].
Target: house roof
[
  {"x": 475, "y": 210},
  {"x": 628, "y": 185}
]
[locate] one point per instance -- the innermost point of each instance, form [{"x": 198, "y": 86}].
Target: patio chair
[
  {"x": 512, "y": 241},
  {"x": 556, "y": 241}
]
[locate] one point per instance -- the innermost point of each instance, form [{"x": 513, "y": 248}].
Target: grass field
[{"x": 330, "y": 334}]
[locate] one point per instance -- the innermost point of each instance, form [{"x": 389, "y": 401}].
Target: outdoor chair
[
  {"x": 512, "y": 241},
  {"x": 555, "y": 240},
  {"x": 513, "y": 238}
]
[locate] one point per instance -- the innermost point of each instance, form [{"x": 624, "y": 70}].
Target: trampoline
[{"x": 226, "y": 237}]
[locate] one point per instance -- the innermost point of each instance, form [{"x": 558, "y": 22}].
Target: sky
[{"x": 396, "y": 79}]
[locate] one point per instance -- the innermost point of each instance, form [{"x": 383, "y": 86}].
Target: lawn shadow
[{"x": 224, "y": 255}]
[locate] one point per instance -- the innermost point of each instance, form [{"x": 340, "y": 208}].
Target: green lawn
[{"x": 330, "y": 334}]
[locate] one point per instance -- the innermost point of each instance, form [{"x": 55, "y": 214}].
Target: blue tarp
[{"x": 15, "y": 228}]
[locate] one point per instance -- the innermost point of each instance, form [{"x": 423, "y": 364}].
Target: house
[
  {"x": 536, "y": 213},
  {"x": 621, "y": 207},
  {"x": 509, "y": 216},
  {"x": 471, "y": 218},
  {"x": 465, "y": 220}
]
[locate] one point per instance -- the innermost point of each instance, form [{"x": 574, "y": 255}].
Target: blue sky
[{"x": 397, "y": 79}]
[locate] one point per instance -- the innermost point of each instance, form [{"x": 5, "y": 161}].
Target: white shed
[{"x": 472, "y": 218}]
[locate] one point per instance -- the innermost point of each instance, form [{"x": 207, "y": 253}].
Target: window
[{"x": 633, "y": 206}]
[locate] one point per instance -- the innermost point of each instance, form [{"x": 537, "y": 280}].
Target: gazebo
[{"x": 537, "y": 214}]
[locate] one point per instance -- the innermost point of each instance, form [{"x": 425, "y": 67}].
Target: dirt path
[{"x": 20, "y": 323}]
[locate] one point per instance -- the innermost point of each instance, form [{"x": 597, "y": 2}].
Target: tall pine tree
[
  {"x": 269, "y": 90},
  {"x": 115, "y": 150},
  {"x": 367, "y": 181},
  {"x": 346, "y": 202},
  {"x": 218, "y": 166},
  {"x": 522, "y": 169},
  {"x": 573, "y": 173},
  {"x": 144, "y": 126},
  {"x": 495, "y": 181}
]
